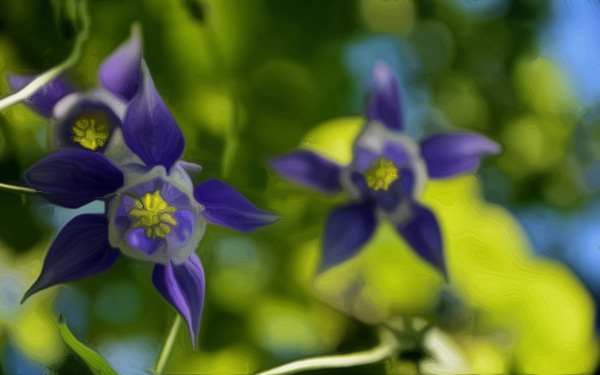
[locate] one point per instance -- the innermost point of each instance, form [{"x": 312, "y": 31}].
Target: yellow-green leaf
[{"x": 94, "y": 361}]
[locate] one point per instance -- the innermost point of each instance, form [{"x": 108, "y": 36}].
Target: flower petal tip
[
  {"x": 225, "y": 206},
  {"x": 347, "y": 230},
  {"x": 121, "y": 73},
  {"x": 308, "y": 169},
  {"x": 422, "y": 232},
  {"x": 80, "y": 249},
  {"x": 451, "y": 154},
  {"x": 383, "y": 101},
  {"x": 149, "y": 128},
  {"x": 183, "y": 286}
]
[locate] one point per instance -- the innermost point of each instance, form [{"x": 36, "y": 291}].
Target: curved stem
[
  {"x": 51, "y": 74},
  {"x": 166, "y": 350},
  {"x": 386, "y": 348},
  {"x": 18, "y": 189}
]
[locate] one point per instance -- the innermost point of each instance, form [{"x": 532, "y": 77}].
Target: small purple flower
[
  {"x": 88, "y": 120},
  {"x": 386, "y": 177},
  {"x": 154, "y": 212}
]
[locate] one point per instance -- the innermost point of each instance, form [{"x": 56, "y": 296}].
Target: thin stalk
[
  {"x": 166, "y": 350},
  {"x": 386, "y": 348},
  {"x": 51, "y": 74},
  {"x": 18, "y": 189}
]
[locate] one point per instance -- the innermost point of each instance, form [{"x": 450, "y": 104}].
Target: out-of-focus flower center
[
  {"x": 91, "y": 132},
  {"x": 381, "y": 175},
  {"x": 153, "y": 213}
]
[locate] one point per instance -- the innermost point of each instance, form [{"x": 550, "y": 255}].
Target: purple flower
[
  {"x": 154, "y": 213},
  {"x": 88, "y": 120},
  {"x": 386, "y": 177}
]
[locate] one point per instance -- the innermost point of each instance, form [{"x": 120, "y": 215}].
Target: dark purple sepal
[
  {"x": 309, "y": 169},
  {"x": 43, "y": 100},
  {"x": 79, "y": 250},
  {"x": 72, "y": 178},
  {"x": 227, "y": 207},
  {"x": 149, "y": 128},
  {"x": 121, "y": 71},
  {"x": 383, "y": 101},
  {"x": 422, "y": 232},
  {"x": 347, "y": 230},
  {"x": 451, "y": 154},
  {"x": 183, "y": 286}
]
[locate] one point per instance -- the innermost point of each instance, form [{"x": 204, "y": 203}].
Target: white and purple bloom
[
  {"x": 386, "y": 177},
  {"x": 87, "y": 120},
  {"x": 153, "y": 211}
]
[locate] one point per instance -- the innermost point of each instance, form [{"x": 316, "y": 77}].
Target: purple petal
[
  {"x": 72, "y": 178},
  {"x": 422, "y": 232},
  {"x": 309, "y": 169},
  {"x": 226, "y": 206},
  {"x": 121, "y": 71},
  {"x": 450, "y": 154},
  {"x": 44, "y": 99},
  {"x": 383, "y": 104},
  {"x": 183, "y": 287},
  {"x": 347, "y": 230},
  {"x": 81, "y": 249},
  {"x": 149, "y": 128}
]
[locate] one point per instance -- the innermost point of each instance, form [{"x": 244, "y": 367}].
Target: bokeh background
[{"x": 248, "y": 80}]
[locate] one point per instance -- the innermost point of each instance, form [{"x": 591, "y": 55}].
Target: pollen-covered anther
[
  {"x": 91, "y": 132},
  {"x": 153, "y": 213},
  {"x": 381, "y": 175}
]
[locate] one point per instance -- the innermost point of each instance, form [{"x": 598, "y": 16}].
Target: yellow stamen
[
  {"x": 154, "y": 214},
  {"x": 381, "y": 174},
  {"x": 91, "y": 132}
]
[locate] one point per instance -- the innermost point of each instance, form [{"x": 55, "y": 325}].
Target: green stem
[
  {"x": 386, "y": 348},
  {"x": 17, "y": 189},
  {"x": 166, "y": 350},
  {"x": 51, "y": 74}
]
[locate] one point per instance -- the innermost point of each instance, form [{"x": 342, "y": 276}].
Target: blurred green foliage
[{"x": 247, "y": 80}]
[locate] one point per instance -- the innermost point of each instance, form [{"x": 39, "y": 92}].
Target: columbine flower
[
  {"x": 154, "y": 213},
  {"x": 386, "y": 176},
  {"x": 88, "y": 120}
]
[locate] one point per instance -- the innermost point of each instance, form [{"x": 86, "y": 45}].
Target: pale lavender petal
[
  {"x": 451, "y": 154},
  {"x": 81, "y": 249},
  {"x": 183, "y": 287},
  {"x": 309, "y": 169},
  {"x": 226, "y": 206}
]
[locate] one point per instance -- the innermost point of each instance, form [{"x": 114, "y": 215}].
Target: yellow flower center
[
  {"x": 154, "y": 214},
  {"x": 381, "y": 174},
  {"x": 91, "y": 132}
]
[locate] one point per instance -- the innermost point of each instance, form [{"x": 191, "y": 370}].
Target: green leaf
[{"x": 94, "y": 361}]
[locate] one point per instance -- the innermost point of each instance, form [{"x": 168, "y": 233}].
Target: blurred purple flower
[
  {"x": 154, "y": 212},
  {"x": 386, "y": 176}
]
